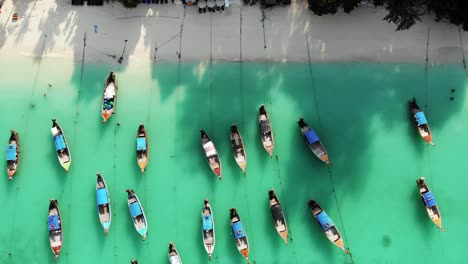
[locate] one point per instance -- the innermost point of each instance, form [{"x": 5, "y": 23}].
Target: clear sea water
[{"x": 358, "y": 109}]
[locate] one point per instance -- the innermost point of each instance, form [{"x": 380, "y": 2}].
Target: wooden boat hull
[
  {"x": 208, "y": 233},
  {"x": 420, "y": 122},
  {"x": 316, "y": 146},
  {"x": 55, "y": 227},
  {"x": 432, "y": 210},
  {"x": 326, "y": 224},
  {"x": 174, "y": 256},
  {"x": 138, "y": 215},
  {"x": 266, "y": 131},
  {"x": 142, "y": 155},
  {"x": 63, "y": 155},
  {"x": 240, "y": 236},
  {"x": 238, "y": 148},
  {"x": 103, "y": 203},
  {"x": 12, "y": 165},
  {"x": 211, "y": 153},
  {"x": 105, "y": 112},
  {"x": 279, "y": 221}
]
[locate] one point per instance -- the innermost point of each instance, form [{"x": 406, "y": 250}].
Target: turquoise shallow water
[{"x": 359, "y": 110}]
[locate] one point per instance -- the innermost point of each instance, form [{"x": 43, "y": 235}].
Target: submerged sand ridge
[{"x": 55, "y": 28}]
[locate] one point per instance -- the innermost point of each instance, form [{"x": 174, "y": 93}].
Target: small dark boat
[
  {"x": 238, "y": 148},
  {"x": 12, "y": 154},
  {"x": 208, "y": 228},
  {"x": 239, "y": 234},
  {"x": 54, "y": 223},
  {"x": 137, "y": 213},
  {"x": 421, "y": 122},
  {"x": 109, "y": 97},
  {"x": 278, "y": 216},
  {"x": 134, "y": 261},
  {"x": 142, "y": 152},
  {"x": 103, "y": 203},
  {"x": 211, "y": 153},
  {"x": 61, "y": 146},
  {"x": 327, "y": 225},
  {"x": 313, "y": 141},
  {"x": 266, "y": 131},
  {"x": 430, "y": 203},
  {"x": 174, "y": 257}
]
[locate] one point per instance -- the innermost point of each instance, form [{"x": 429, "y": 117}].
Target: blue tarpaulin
[
  {"x": 11, "y": 152},
  {"x": 324, "y": 220},
  {"x": 311, "y": 136},
  {"x": 207, "y": 222},
  {"x": 59, "y": 142},
  {"x": 141, "y": 143},
  {"x": 53, "y": 223},
  {"x": 135, "y": 209},
  {"x": 420, "y": 118},
  {"x": 102, "y": 196},
  {"x": 238, "y": 230},
  {"x": 429, "y": 199}
]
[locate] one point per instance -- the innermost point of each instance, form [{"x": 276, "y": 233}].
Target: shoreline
[{"x": 286, "y": 34}]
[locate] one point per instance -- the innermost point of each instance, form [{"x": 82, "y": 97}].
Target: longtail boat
[
  {"x": 313, "y": 141},
  {"x": 54, "y": 224},
  {"x": 266, "y": 131},
  {"x": 327, "y": 225},
  {"x": 61, "y": 146},
  {"x": 103, "y": 203},
  {"x": 134, "y": 261},
  {"x": 239, "y": 234},
  {"x": 137, "y": 213},
  {"x": 109, "y": 97},
  {"x": 142, "y": 153},
  {"x": 174, "y": 257},
  {"x": 421, "y": 122},
  {"x": 238, "y": 147},
  {"x": 211, "y": 153},
  {"x": 208, "y": 228},
  {"x": 278, "y": 216},
  {"x": 12, "y": 154},
  {"x": 430, "y": 203}
]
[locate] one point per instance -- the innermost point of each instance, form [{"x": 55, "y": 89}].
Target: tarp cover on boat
[
  {"x": 207, "y": 222},
  {"x": 102, "y": 196},
  {"x": 53, "y": 223},
  {"x": 238, "y": 230},
  {"x": 420, "y": 118},
  {"x": 59, "y": 142},
  {"x": 324, "y": 220},
  {"x": 141, "y": 143},
  {"x": 277, "y": 212},
  {"x": 110, "y": 91},
  {"x": 265, "y": 126},
  {"x": 135, "y": 209},
  {"x": 311, "y": 136},
  {"x": 429, "y": 199},
  {"x": 209, "y": 149},
  {"x": 11, "y": 152}
]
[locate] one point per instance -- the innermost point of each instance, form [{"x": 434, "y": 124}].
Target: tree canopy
[{"x": 403, "y": 13}]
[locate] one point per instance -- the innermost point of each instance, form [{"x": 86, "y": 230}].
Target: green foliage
[{"x": 403, "y": 13}]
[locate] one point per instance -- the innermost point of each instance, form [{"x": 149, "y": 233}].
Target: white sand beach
[{"x": 55, "y": 28}]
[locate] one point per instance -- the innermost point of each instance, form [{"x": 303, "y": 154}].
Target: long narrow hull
[
  {"x": 14, "y": 167},
  {"x": 104, "y": 217},
  {"x": 209, "y": 242},
  {"x": 66, "y": 159},
  {"x": 142, "y": 230},
  {"x": 107, "y": 113}
]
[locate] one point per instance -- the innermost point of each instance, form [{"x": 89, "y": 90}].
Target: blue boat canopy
[
  {"x": 141, "y": 143},
  {"x": 311, "y": 136},
  {"x": 429, "y": 199},
  {"x": 53, "y": 223},
  {"x": 102, "y": 196},
  {"x": 135, "y": 209},
  {"x": 238, "y": 230},
  {"x": 11, "y": 152},
  {"x": 420, "y": 118},
  {"x": 207, "y": 222},
  {"x": 324, "y": 221},
  {"x": 59, "y": 142}
]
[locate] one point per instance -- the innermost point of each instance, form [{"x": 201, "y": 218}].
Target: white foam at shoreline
[{"x": 235, "y": 34}]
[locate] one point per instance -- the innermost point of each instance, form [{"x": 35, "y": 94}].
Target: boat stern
[
  {"x": 217, "y": 171},
  {"x": 105, "y": 116},
  {"x": 66, "y": 166},
  {"x": 245, "y": 253},
  {"x": 428, "y": 139},
  {"x": 143, "y": 232},
  {"x": 11, "y": 173},
  {"x": 56, "y": 251}
]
